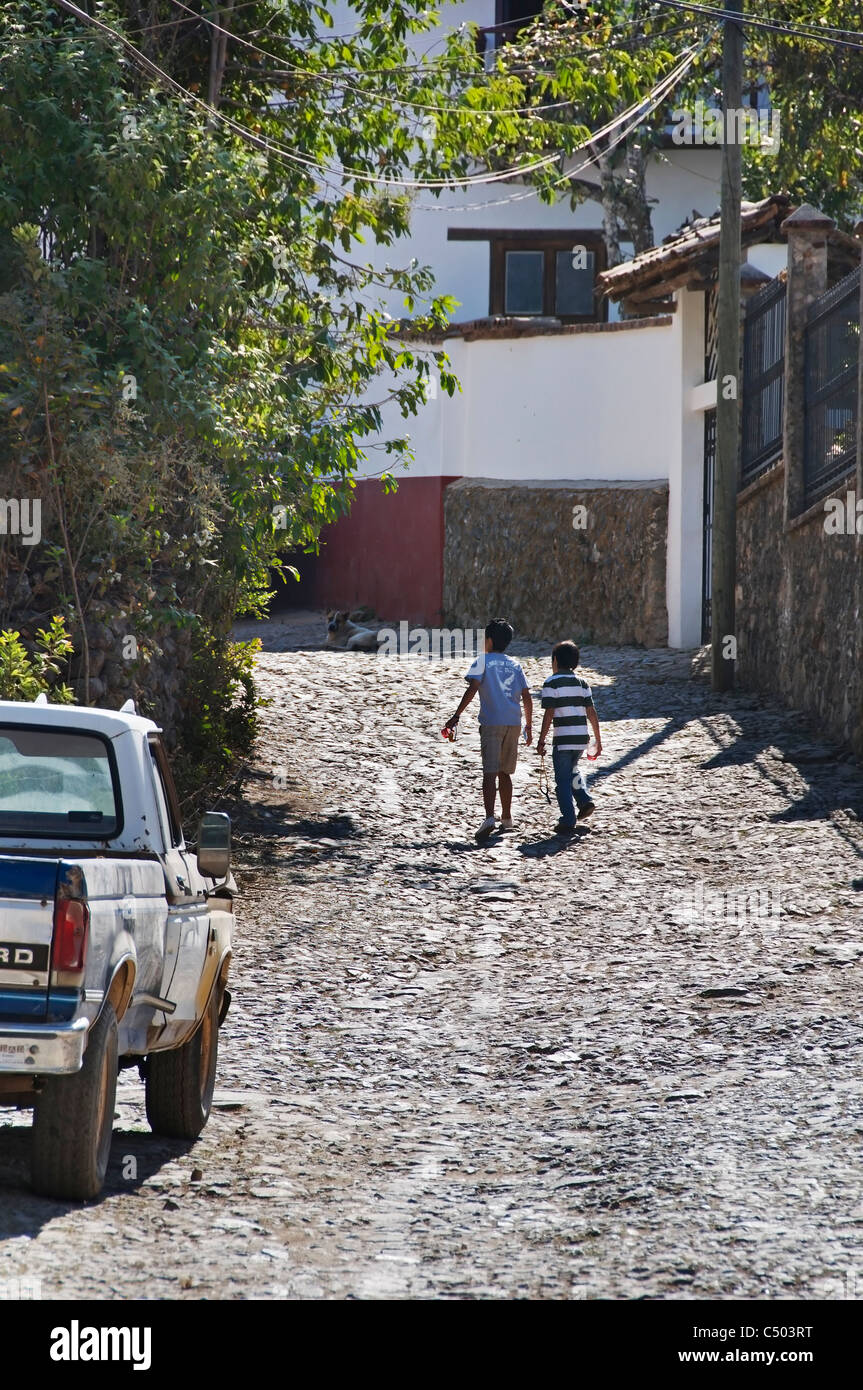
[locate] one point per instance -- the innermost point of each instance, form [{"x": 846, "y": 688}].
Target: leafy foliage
[
  {"x": 25, "y": 674},
  {"x": 577, "y": 66},
  {"x": 817, "y": 89},
  {"x": 221, "y": 688},
  {"x": 193, "y": 355}
]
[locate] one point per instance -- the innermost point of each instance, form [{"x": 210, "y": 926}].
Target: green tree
[
  {"x": 26, "y": 673},
  {"x": 817, "y": 89},
  {"x": 193, "y": 353},
  {"x": 578, "y": 66}
]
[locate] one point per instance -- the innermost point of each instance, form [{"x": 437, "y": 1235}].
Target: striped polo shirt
[{"x": 569, "y": 696}]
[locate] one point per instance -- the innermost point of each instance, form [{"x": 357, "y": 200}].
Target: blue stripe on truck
[
  {"x": 22, "y": 1003},
  {"x": 28, "y": 878},
  {"x": 61, "y": 1006}
]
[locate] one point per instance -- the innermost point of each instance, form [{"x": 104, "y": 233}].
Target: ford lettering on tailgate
[{"x": 17, "y": 957}]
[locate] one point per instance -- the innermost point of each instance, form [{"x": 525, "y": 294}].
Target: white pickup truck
[{"x": 115, "y": 939}]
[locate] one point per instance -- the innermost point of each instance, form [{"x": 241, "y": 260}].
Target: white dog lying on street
[{"x": 341, "y": 632}]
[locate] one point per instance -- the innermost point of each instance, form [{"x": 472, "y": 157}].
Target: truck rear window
[{"x": 57, "y": 782}]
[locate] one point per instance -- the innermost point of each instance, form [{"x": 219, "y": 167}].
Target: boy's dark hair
[
  {"x": 501, "y": 633},
  {"x": 566, "y": 654}
]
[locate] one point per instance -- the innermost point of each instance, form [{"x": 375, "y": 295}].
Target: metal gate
[{"x": 763, "y": 380}]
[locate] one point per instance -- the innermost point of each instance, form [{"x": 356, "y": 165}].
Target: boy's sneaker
[
  {"x": 506, "y": 824},
  {"x": 563, "y": 828},
  {"x": 485, "y": 829},
  {"x": 586, "y": 810}
]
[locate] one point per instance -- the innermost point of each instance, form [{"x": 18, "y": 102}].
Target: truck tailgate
[{"x": 27, "y": 889}]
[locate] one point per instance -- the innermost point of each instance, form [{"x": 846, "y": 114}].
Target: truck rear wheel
[
  {"x": 73, "y": 1120},
  {"x": 179, "y": 1084}
]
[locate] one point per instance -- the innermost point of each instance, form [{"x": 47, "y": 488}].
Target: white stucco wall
[
  {"x": 583, "y": 405},
  {"x": 771, "y": 257}
]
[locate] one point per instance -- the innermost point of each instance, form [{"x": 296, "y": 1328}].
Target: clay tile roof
[{"x": 691, "y": 252}]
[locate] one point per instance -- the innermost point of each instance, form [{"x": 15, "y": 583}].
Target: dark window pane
[
  {"x": 520, "y": 9},
  {"x": 524, "y": 282},
  {"x": 573, "y": 292}
]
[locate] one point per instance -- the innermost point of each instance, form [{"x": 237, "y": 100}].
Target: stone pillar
[
  {"x": 685, "y": 476},
  {"x": 807, "y": 230}
]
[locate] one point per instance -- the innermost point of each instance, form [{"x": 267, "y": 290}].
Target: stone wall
[
  {"x": 511, "y": 550},
  {"x": 154, "y": 676},
  {"x": 798, "y": 620}
]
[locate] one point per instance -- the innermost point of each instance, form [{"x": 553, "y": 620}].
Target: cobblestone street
[{"x": 536, "y": 1068}]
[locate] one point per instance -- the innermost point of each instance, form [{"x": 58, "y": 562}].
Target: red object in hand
[{"x": 447, "y": 732}]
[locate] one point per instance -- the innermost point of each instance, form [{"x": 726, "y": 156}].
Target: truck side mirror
[{"x": 214, "y": 844}]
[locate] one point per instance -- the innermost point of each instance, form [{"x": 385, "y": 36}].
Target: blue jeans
[{"x": 568, "y": 778}]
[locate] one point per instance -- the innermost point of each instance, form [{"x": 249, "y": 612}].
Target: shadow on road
[
  {"x": 833, "y": 783},
  {"x": 748, "y": 728},
  {"x": 135, "y": 1157},
  {"x": 553, "y": 844}
]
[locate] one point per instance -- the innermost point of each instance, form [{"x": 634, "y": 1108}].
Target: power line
[
  {"x": 334, "y": 79},
  {"x": 639, "y": 112},
  {"x": 832, "y": 38},
  {"x": 276, "y": 148}
]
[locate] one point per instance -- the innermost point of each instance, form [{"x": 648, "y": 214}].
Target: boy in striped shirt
[{"x": 566, "y": 699}]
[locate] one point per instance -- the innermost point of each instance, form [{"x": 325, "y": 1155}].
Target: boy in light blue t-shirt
[{"x": 503, "y": 689}]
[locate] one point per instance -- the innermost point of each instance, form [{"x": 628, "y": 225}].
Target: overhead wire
[
  {"x": 638, "y": 111},
  {"x": 816, "y": 34},
  {"x": 336, "y": 78},
  {"x": 275, "y": 147},
  {"x": 625, "y": 122},
  {"x": 326, "y": 175},
  {"x": 271, "y": 146}
]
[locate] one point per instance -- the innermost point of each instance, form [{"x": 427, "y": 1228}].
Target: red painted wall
[{"x": 388, "y": 553}]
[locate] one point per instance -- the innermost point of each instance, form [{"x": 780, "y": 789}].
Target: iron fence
[
  {"x": 763, "y": 380},
  {"x": 831, "y": 356}
]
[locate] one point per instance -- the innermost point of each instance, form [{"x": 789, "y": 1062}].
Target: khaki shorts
[{"x": 499, "y": 744}]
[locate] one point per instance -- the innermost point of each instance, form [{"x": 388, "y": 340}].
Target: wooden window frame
[{"x": 549, "y": 242}]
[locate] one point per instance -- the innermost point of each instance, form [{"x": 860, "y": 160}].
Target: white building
[{"x": 553, "y": 386}]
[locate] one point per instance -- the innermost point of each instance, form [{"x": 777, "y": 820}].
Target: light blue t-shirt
[{"x": 501, "y": 682}]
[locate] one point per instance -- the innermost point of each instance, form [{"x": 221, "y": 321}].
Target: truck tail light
[{"x": 69, "y": 943}]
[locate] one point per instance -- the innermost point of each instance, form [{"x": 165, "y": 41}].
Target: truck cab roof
[
  {"x": 135, "y": 824},
  {"x": 109, "y": 723}
]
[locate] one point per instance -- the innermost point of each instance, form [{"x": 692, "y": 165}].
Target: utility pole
[{"x": 728, "y": 385}]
